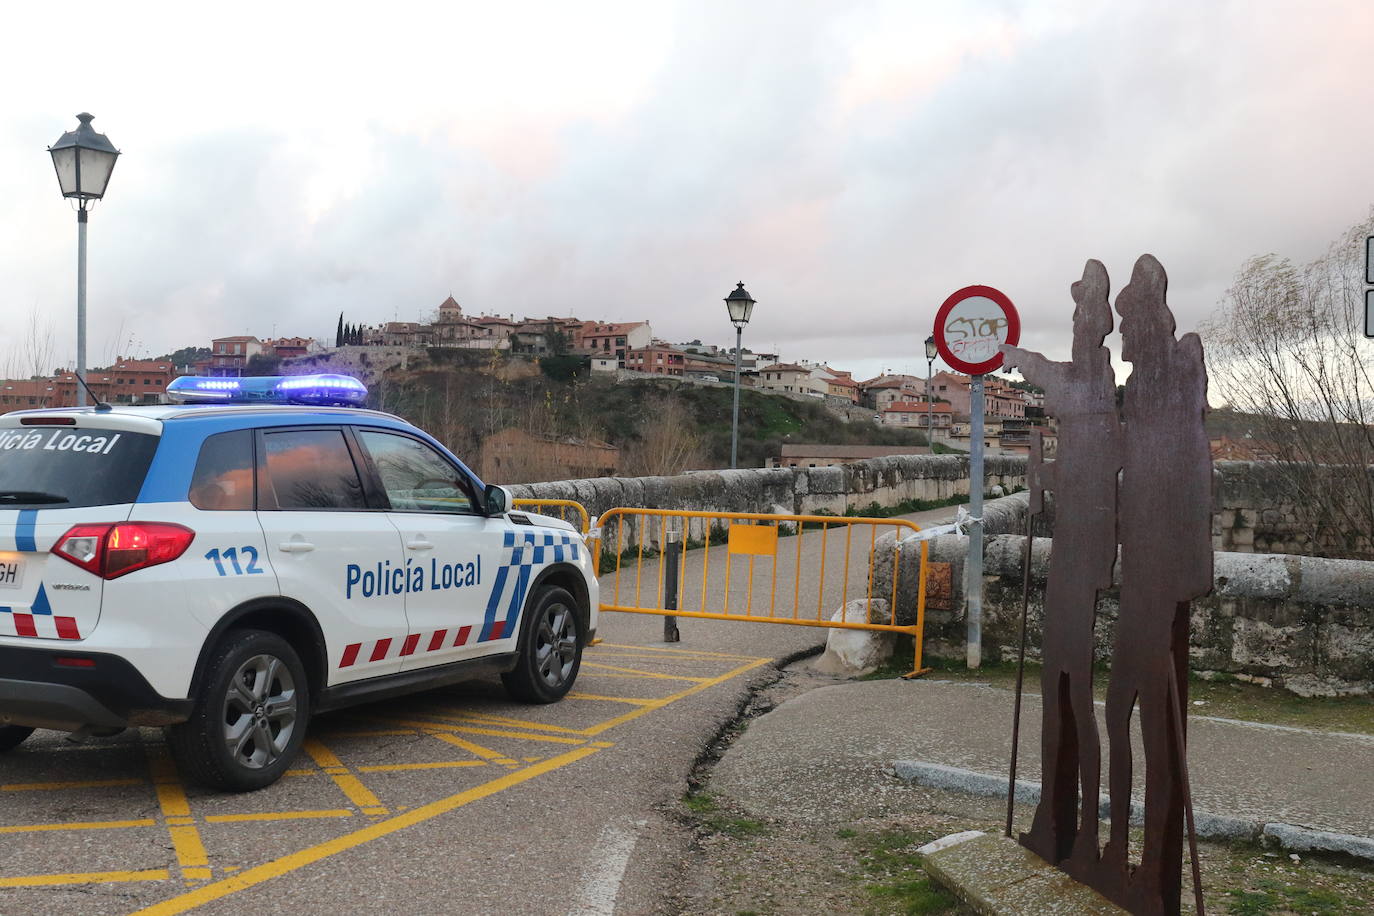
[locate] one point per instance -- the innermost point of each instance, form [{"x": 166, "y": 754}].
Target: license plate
[{"x": 11, "y": 570}]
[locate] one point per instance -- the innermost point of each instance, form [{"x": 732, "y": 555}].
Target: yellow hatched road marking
[
  {"x": 276, "y": 816},
  {"x": 441, "y": 765},
  {"x": 485, "y": 753},
  {"x": 176, "y": 810},
  {"x": 80, "y": 825},
  {"x": 81, "y": 784},
  {"x": 350, "y": 785},
  {"x": 257, "y": 875},
  {"x": 493, "y": 732},
  {"x": 94, "y": 877},
  {"x": 488, "y": 719},
  {"x": 637, "y": 672},
  {"x": 660, "y": 651},
  {"x": 633, "y": 701},
  {"x": 698, "y": 688}
]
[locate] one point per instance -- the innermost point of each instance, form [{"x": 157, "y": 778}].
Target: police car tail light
[{"x": 110, "y": 551}]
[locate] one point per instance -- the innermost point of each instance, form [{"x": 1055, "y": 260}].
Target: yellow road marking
[
  {"x": 441, "y": 765},
  {"x": 176, "y": 810},
  {"x": 350, "y": 785},
  {"x": 278, "y": 867},
  {"x": 371, "y": 733},
  {"x": 81, "y": 784},
  {"x": 484, "y": 752},
  {"x": 488, "y": 719},
  {"x": 633, "y": 701},
  {"x": 276, "y": 816},
  {"x": 94, "y": 877},
  {"x": 81, "y": 825},
  {"x": 659, "y": 704},
  {"x": 498, "y": 733},
  {"x": 656, "y": 675},
  {"x": 683, "y": 653}
]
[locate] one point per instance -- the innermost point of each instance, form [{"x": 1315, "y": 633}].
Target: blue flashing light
[{"x": 319, "y": 390}]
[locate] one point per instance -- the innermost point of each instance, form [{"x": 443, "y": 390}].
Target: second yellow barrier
[{"x": 804, "y": 570}]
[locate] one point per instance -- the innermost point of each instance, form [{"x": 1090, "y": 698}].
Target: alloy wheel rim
[
  {"x": 556, "y": 645},
  {"x": 260, "y": 712}
]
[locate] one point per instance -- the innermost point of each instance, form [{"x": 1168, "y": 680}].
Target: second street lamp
[
  {"x": 741, "y": 306},
  {"x": 931, "y": 350},
  {"x": 84, "y": 161}
]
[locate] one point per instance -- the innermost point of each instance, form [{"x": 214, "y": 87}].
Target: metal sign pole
[{"x": 973, "y": 567}]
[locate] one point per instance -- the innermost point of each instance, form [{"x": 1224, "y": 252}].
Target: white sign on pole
[{"x": 1369, "y": 313}]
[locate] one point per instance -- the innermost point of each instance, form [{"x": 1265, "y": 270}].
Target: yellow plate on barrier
[{"x": 754, "y": 540}]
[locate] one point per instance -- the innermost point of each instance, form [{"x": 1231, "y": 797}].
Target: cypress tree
[{"x": 338, "y": 335}]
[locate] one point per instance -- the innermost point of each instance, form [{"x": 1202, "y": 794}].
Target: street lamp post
[
  {"x": 930, "y": 362},
  {"x": 741, "y": 306},
  {"x": 84, "y": 160}
]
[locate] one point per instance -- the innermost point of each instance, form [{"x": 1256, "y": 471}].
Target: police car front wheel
[
  {"x": 550, "y": 650},
  {"x": 250, "y": 718},
  {"x": 11, "y": 736}
]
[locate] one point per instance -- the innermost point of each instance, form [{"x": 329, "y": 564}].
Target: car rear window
[{"x": 71, "y": 467}]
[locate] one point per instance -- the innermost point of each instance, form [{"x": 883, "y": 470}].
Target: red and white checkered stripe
[
  {"x": 41, "y": 626},
  {"x": 392, "y": 648}
]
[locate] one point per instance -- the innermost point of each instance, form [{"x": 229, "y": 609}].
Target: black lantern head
[
  {"x": 84, "y": 160},
  {"x": 740, "y": 304}
]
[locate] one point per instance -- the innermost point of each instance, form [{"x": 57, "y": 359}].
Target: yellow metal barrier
[
  {"x": 813, "y": 579},
  {"x": 584, "y": 523},
  {"x": 563, "y": 504}
]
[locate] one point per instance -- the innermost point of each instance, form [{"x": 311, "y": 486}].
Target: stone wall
[
  {"x": 1302, "y": 623},
  {"x": 1257, "y": 513},
  {"x": 792, "y": 491}
]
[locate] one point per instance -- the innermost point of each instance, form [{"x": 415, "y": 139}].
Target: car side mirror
[{"x": 498, "y": 500}]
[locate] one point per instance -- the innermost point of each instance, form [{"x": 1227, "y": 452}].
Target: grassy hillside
[{"x": 464, "y": 396}]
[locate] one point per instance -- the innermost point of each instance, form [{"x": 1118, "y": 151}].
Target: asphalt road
[{"x": 452, "y": 801}]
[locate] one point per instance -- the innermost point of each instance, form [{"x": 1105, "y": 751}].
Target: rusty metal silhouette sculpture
[
  {"x": 1081, "y": 394},
  {"x": 1161, "y": 516},
  {"x": 1166, "y": 561}
]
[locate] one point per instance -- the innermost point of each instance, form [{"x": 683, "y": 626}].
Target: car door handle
[
  {"x": 419, "y": 544},
  {"x": 296, "y": 547}
]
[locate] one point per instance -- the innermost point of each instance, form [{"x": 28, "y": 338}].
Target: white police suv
[{"x": 232, "y": 564}]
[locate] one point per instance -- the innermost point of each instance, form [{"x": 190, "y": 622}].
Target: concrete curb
[{"x": 1290, "y": 837}]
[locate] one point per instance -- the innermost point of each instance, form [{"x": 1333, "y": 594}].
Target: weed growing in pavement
[
  {"x": 893, "y": 874},
  {"x": 1268, "y": 897},
  {"x": 713, "y": 820}
]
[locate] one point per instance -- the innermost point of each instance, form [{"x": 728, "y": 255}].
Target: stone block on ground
[
  {"x": 854, "y": 653},
  {"x": 996, "y": 876}
]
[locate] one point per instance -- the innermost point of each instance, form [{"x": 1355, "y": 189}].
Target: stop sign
[{"x": 971, "y": 325}]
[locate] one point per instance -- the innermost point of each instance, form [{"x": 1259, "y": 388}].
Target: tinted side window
[
  {"x": 223, "y": 479},
  {"x": 416, "y": 477},
  {"x": 311, "y": 469}
]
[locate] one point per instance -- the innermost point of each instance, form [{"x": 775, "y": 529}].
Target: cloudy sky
[{"x": 852, "y": 162}]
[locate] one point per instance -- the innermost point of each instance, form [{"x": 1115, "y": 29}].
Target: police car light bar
[{"x": 268, "y": 389}]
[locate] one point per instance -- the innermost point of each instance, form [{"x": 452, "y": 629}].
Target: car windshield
[{"x": 66, "y": 467}]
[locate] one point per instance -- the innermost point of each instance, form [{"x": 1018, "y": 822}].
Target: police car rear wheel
[
  {"x": 550, "y": 653},
  {"x": 249, "y": 721},
  {"x": 11, "y": 736}
]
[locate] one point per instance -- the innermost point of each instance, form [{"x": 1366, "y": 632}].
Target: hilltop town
[{"x": 617, "y": 352}]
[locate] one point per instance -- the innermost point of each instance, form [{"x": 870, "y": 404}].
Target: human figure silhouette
[
  {"x": 1166, "y": 561},
  {"x": 1081, "y": 393}
]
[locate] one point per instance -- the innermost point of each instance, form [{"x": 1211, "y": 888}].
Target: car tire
[
  {"x": 249, "y": 718},
  {"x": 11, "y": 736},
  {"x": 550, "y": 650}
]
